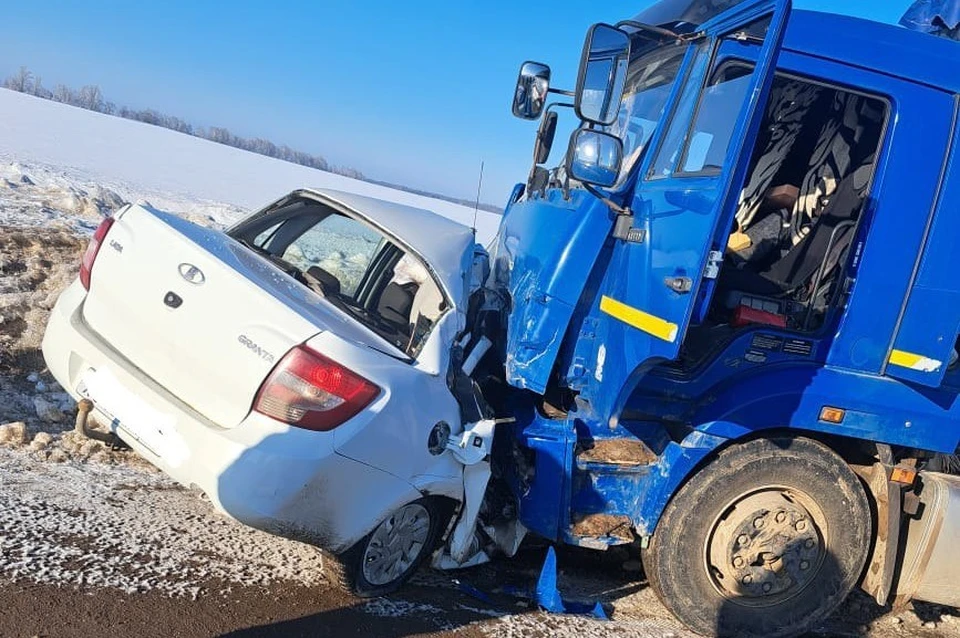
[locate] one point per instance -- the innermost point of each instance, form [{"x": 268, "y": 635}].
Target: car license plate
[{"x": 150, "y": 427}]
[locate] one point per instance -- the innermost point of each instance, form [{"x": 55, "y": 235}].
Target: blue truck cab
[{"x": 730, "y": 320}]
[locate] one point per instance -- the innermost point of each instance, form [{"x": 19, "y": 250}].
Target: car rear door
[{"x": 686, "y": 194}]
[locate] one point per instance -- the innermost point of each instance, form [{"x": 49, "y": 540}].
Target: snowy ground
[
  {"x": 89, "y": 529},
  {"x": 91, "y": 536},
  {"x": 86, "y": 524}
]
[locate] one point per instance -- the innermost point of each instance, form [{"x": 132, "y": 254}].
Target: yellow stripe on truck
[
  {"x": 914, "y": 361},
  {"x": 639, "y": 319}
]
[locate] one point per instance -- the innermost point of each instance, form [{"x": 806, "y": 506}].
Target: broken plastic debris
[
  {"x": 548, "y": 596},
  {"x": 472, "y": 591},
  {"x": 444, "y": 561}
]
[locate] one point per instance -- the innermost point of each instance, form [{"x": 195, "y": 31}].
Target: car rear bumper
[{"x": 279, "y": 479}]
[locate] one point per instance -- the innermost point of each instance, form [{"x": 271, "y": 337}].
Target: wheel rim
[
  {"x": 396, "y": 544},
  {"x": 766, "y": 546}
]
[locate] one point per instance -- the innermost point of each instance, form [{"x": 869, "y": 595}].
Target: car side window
[
  {"x": 353, "y": 266},
  {"x": 652, "y": 72},
  {"x": 262, "y": 240},
  {"x": 340, "y": 246}
]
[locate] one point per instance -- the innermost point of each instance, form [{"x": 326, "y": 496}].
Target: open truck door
[{"x": 688, "y": 184}]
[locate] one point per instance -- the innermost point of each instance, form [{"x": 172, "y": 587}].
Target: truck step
[{"x": 600, "y": 531}]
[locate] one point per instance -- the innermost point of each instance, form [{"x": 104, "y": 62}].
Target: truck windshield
[{"x": 653, "y": 69}]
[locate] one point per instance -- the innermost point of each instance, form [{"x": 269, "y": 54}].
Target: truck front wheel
[{"x": 766, "y": 540}]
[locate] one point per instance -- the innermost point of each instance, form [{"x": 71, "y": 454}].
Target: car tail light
[
  {"x": 90, "y": 255},
  {"x": 308, "y": 390}
]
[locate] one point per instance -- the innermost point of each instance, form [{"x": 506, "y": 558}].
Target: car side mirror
[
  {"x": 594, "y": 157},
  {"x": 603, "y": 72},
  {"x": 530, "y": 96}
]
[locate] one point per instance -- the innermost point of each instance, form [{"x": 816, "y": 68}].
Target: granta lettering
[{"x": 253, "y": 347}]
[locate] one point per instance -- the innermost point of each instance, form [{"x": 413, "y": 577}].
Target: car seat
[
  {"x": 826, "y": 241},
  {"x": 396, "y": 302}
]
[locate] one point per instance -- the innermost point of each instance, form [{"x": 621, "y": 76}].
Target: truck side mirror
[
  {"x": 531, "y": 94},
  {"x": 594, "y": 157},
  {"x": 603, "y": 72},
  {"x": 545, "y": 135}
]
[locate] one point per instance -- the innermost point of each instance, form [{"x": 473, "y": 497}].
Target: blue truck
[{"x": 727, "y": 324}]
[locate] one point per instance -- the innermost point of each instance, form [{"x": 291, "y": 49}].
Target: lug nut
[
  {"x": 801, "y": 525},
  {"x": 758, "y": 522},
  {"x": 810, "y": 543},
  {"x": 742, "y": 539},
  {"x": 804, "y": 564},
  {"x": 738, "y": 562},
  {"x": 747, "y": 579},
  {"x": 767, "y": 587},
  {"x": 781, "y": 516}
]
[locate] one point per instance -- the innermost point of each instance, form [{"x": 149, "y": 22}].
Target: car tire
[
  {"x": 389, "y": 555},
  {"x": 766, "y": 540}
]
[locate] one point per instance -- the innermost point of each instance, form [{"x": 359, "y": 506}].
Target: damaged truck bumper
[{"x": 295, "y": 485}]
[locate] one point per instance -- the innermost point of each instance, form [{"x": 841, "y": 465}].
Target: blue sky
[{"x": 410, "y": 92}]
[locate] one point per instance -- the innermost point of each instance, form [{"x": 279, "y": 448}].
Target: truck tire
[
  {"x": 389, "y": 555},
  {"x": 766, "y": 540}
]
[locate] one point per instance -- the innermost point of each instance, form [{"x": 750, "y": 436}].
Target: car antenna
[{"x": 476, "y": 208}]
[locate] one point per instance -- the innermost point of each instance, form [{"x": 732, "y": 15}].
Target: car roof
[{"x": 886, "y": 48}]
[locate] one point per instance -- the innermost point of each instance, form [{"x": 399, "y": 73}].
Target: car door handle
[{"x": 681, "y": 285}]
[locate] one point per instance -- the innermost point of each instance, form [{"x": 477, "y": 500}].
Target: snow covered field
[{"x": 67, "y": 147}]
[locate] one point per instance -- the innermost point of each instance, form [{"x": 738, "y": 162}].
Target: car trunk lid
[{"x": 199, "y": 313}]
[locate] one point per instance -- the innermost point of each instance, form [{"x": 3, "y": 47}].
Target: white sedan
[{"x": 297, "y": 368}]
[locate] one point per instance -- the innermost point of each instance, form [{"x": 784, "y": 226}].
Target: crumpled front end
[{"x": 545, "y": 252}]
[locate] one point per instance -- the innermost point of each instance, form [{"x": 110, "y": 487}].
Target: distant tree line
[{"x": 90, "y": 97}]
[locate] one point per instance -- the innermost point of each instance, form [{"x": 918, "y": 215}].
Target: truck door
[{"x": 684, "y": 202}]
